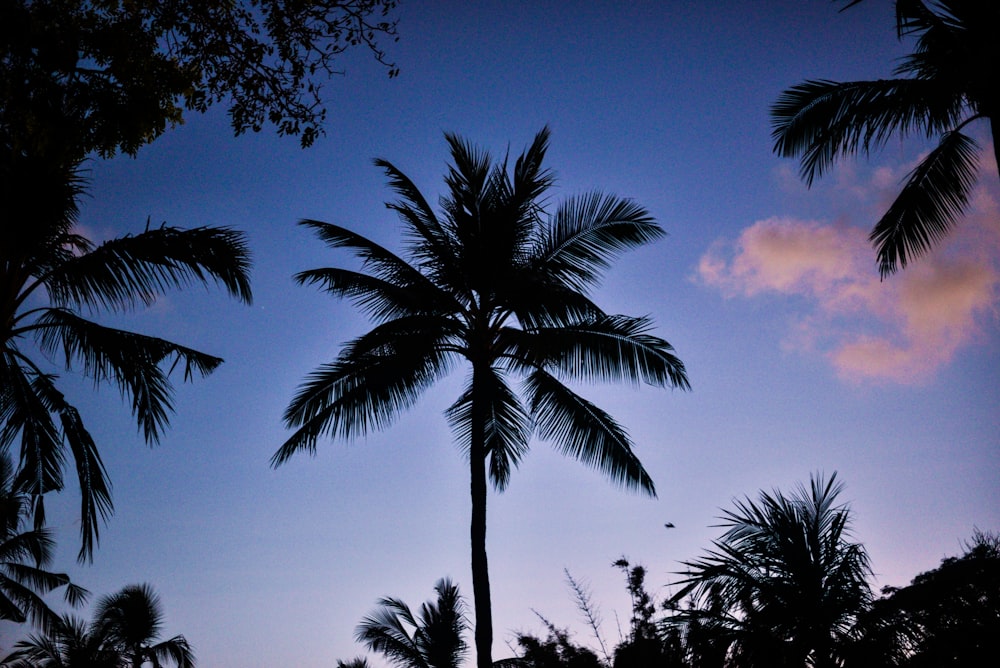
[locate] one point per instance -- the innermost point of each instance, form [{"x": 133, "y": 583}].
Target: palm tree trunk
[{"x": 480, "y": 571}]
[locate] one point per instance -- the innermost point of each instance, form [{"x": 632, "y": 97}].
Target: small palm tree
[
  {"x": 784, "y": 584},
  {"x": 122, "y": 634},
  {"x": 948, "y": 82},
  {"x": 431, "y": 639},
  {"x": 51, "y": 277},
  {"x": 130, "y": 621},
  {"x": 24, "y": 556},
  {"x": 498, "y": 285},
  {"x": 69, "y": 644}
]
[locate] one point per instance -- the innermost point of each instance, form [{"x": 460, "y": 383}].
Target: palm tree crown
[
  {"x": 122, "y": 634},
  {"x": 50, "y": 277},
  {"x": 500, "y": 285},
  {"x": 951, "y": 79},
  {"x": 433, "y": 638},
  {"x": 784, "y": 584}
]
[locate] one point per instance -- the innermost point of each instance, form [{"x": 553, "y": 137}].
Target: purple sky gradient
[{"x": 800, "y": 359}]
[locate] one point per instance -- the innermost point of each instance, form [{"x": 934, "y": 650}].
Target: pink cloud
[{"x": 899, "y": 330}]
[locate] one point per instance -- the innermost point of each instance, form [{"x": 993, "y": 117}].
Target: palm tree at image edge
[
  {"x": 951, "y": 79},
  {"x": 499, "y": 285},
  {"x": 49, "y": 275}
]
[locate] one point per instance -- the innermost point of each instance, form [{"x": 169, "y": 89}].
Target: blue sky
[{"x": 801, "y": 361}]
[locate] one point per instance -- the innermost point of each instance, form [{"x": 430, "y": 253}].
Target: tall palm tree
[
  {"x": 24, "y": 557},
  {"x": 499, "y": 285},
  {"x": 431, "y": 639},
  {"x": 122, "y": 634},
  {"x": 52, "y": 279},
  {"x": 784, "y": 584},
  {"x": 951, "y": 79}
]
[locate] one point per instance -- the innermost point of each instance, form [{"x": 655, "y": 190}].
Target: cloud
[{"x": 899, "y": 330}]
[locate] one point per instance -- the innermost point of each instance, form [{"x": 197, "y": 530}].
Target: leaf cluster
[{"x": 83, "y": 76}]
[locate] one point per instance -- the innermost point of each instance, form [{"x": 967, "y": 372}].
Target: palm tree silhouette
[
  {"x": 431, "y": 639},
  {"x": 949, "y": 81},
  {"x": 784, "y": 585},
  {"x": 49, "y": 275},
  {"x": 122, "y": 634},
  {"x": 500, "y": 286},
  {"x": 24, "y": 556}
]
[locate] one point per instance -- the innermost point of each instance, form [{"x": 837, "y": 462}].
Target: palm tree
[
  {"x": 69, "y": 644},
  {"x": 50, "y": 278},
  {"x": 130, "y": 620},
  {"x": 497, "y": 284},
  {"x": 24, "y": 556},
  {"x": 949, "y": 81},
  {"x": 784, "y": 584},
  {"x": 122, "y": 634},
  {"x": 431, "y": 639}
]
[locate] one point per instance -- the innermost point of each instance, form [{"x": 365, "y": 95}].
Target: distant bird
[{"x": 669, "y": 525}]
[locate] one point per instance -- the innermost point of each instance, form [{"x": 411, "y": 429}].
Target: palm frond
[
  {"x": 379, "y": 298},
  {"x": 129, "y": 360},
  {"x": 935, "y": 195},
  {"x": 820, "y": 120},
  {"x": 129, "y": 270},
  {"x": 373, "y": 379},
  {"x": 605, "y": 348},
  {"x": 583, "y": 431},
  {"x": 586, "y": 233},
  {"x": 506, "y": 426},
  {"x": 26, "y": 416}
]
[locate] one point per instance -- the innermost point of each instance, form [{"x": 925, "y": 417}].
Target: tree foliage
[
  {"x": 124, "y": 633},
  {"x": 499, "y": 285},
  {"x": 83, "y": 76},
  {"x": 951, "y": 79},
  {"x": 433, "y": 638},
  {"x": 53, "y": 281},
  {"x": 24, "y": 558},
  {"x": 784, "y": 585}
]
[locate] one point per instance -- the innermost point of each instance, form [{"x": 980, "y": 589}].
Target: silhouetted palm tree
[
  {"x": 122, "y": 634},
  {"x": 69, "y": 644},
  {"x": 496, "y": 284},
  {"x": 50, "y": 275},
  {"x": 949, "y": 81},
  {"x": 130, "y": 621},
  {"x": 431, "y": 639},
  {"x": 24, "y": 555},
  {"x": 784, "y": 584}
]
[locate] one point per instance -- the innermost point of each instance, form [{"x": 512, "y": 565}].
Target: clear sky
[{"x": 800, "y": 359}]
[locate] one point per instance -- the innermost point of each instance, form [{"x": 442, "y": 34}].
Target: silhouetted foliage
[
  {"x": 24, "y": 557},
  {"x": 123, "y": 634},
  {"x": 948, "y": 617},
  {"x": 434, "y": 638},
  {"x": 500, "y": 286},
  {"x": 52, "y": 281},
  {"x": 784, "y": 585},
  {"x": 82, "y": 76},
  {"x": 556, "y": 650},
  {"x": 949, "y": 81}
]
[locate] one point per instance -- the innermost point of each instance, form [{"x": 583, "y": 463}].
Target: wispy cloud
[{"x": 899, "y": 330}]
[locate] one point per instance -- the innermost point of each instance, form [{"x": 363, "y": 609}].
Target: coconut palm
[
  {"x": 52, "y": 280},
  {"x": 948, "y": 82},
  {"x": 122, "y": 634},
  {"x": 498, "y": 285},
  {"x": 431, "y": 639},
  {"x": 24, "y": 557},
  {"x": 784, "y": 584}
]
